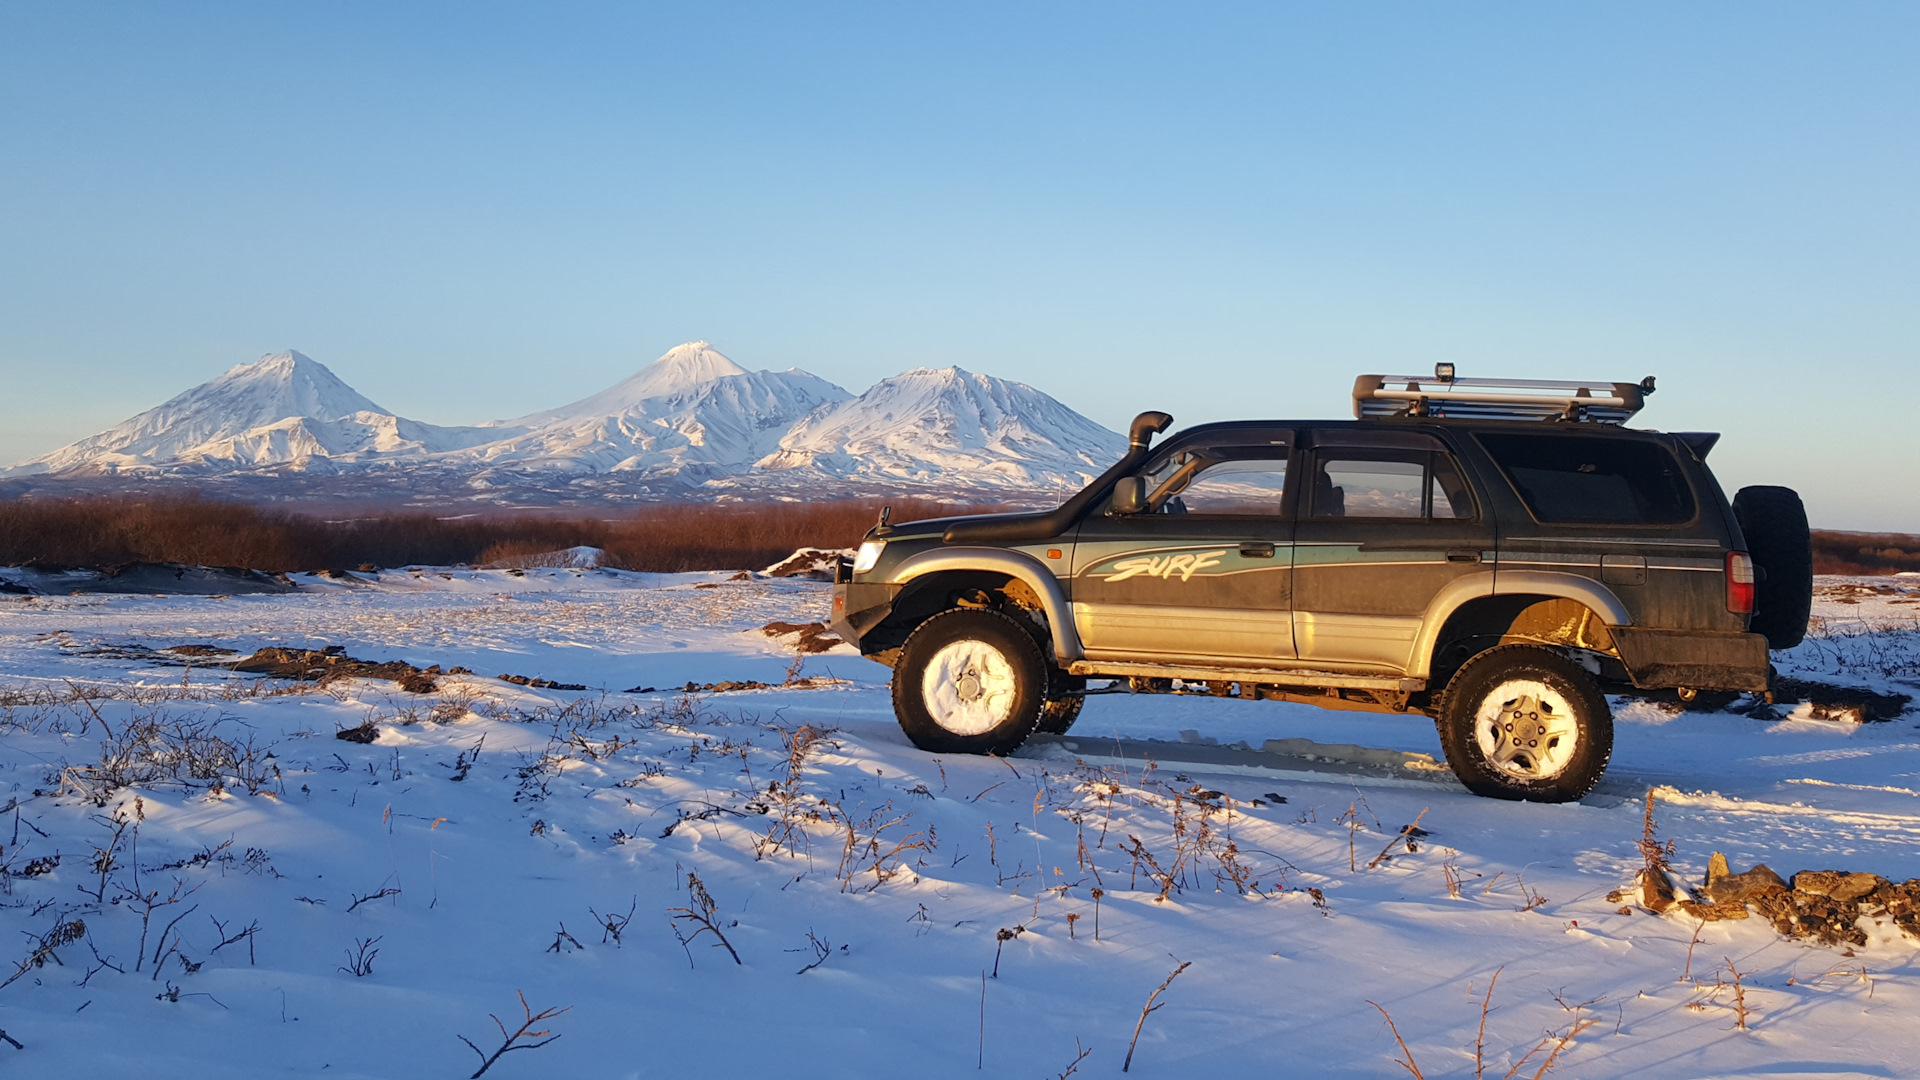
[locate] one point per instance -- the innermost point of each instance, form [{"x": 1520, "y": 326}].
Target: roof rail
[{"x": 1443, "y": 395}]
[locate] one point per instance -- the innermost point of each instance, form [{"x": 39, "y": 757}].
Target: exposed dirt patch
[
  {"x": 810, "y": 682},
  {"x": 541, "y": 684},
  {"x": 809, "y": 638},
  {"x": 1845, "y": 703},
  {"x": 331, "y": 663},
  {"x": 152, "y": 578}
]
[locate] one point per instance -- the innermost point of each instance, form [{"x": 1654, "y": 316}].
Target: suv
[{"x": 1497, "y": 555}]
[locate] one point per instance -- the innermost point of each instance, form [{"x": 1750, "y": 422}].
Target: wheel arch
[
  {"x": 930, "y": 574},
  {"x": 1513, "y": 607}
]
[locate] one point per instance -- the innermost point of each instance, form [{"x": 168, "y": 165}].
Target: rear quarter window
[{"x": 1593, "y": 481}]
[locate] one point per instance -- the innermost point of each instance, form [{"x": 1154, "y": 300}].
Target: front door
[
  {"x": 1386, "y": 521},
  {"x": 1204, "y": 575}
]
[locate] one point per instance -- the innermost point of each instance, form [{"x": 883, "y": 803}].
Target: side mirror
[{"x": 1130, "y": 495}]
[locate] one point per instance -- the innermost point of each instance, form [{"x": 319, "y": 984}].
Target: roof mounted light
[{"x": 1443, "y": 372}]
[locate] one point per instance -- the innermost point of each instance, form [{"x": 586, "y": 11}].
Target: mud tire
[
  {"x": 1063, "y": 703},
  {"x": 995, "y": 722},
  {"x": 1774, "y": 522},
  {"x": 1579, "y": 711}
]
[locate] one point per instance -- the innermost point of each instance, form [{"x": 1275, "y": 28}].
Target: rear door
[
  {"x": 1205, "y": 575},
  {"x": 1386, "y": 521}
]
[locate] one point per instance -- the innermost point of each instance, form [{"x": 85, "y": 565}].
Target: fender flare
[
  {"x": 1582, "y": 590},
  {"x": 1066, "y": 639}
]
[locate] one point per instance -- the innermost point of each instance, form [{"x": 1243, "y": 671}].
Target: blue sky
[{"x": 472, "y": 210}]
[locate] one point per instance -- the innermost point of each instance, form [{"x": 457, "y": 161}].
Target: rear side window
[
  {"x": 1353, "y": 482},
  {"x": 1593, "y": 481}
]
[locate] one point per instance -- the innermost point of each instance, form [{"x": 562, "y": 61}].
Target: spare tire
[{"x": 1775, "y": 524}]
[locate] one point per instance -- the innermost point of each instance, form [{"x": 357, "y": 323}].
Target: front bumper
[
  {"x": 1693, "y": 659},
  {"x": 858, "y": 606}
]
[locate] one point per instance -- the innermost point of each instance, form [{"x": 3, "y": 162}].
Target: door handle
[
  {"x": 1463, "y": 556},
  {"x": 1256, "y": 549}
]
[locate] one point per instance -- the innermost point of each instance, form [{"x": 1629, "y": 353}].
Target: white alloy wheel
[
  {"x": 969, "y": 687},
  {"x": 1526, "y": 730}
]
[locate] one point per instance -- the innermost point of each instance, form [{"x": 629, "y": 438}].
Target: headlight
[{"x": 869, "y": 555}]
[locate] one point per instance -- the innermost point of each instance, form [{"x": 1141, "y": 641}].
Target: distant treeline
[
  {"x": 668, "y": 537},
  {"x": 101, "y": 531},
  {"x": 1864, "y": 553}
]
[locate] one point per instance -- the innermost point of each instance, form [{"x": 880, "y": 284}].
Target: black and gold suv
[{"x": 1494, "y": 554}]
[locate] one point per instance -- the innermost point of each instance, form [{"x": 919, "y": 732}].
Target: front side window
[
  {"x": 1237, "y": 481},
  {"x": 1404, "y": 484},
  {"x": 1593, "y": 481}
]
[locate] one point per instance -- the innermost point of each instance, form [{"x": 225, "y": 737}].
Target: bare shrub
[
  {"x": 62, "y": 934},
  {"x": 1151, "y": 1007},
  {"x": 158, "y": 746},
  {"x": 699, "y": 912},
  {"x": 360, "y": 958},
  {"x": 521, "y": 1038}
]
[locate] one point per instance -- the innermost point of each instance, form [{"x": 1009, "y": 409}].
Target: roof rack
[{"x": 1443, "y": 395}]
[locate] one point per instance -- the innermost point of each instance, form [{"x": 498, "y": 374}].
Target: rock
[
  {"x": 1713, "y": 912},
  {"x": 1656, "y": 891},
  {"x": 1841, "y": 886},
  {"x": 1813, "y": 916},
  {"x": 1739, "y": 888}
]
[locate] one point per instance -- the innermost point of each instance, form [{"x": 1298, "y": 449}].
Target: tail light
[{"x": 1740, "y": 594}]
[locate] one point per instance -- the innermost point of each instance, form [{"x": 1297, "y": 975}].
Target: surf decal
[{"x": 1166, "y": 567}]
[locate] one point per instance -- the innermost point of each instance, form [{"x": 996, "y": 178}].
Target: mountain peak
[
  {"x": 676, "y": 371},
  {"x": 685, "y": 366},
  {"x": 280, "y": 390},
  {"x": 952, "y": 426},
  {"x": 279, "y": 385}
]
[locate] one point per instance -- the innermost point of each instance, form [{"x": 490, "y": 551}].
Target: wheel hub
[
  {"x": 969, "y": 687},
  {"x": 1526, "y": 730}
]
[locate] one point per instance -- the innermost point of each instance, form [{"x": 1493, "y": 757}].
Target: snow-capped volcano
[
  {"x": 689, "y": 419},
  {"x": 691, "y": 413},
  {"x": 678, "y": 370},
  {"x": 951, "y": 426},
  {"x": 284, "y": 408}
]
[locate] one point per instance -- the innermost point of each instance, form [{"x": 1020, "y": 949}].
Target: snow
[
  {"x": 692, "y": 417},
  {"x": 678, "y": 370},
  {"x": 952, "y": 426},
  {"x": 564, "y": 812},
  {"x": 283, "y": 407}
]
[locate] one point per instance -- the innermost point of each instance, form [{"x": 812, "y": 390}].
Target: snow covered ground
[{"x": 519, "y": 829}]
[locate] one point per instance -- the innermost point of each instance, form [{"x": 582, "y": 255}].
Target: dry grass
[{"x": 668, "y": 537}]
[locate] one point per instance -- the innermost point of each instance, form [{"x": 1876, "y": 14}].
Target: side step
[{"x": 1305, "y": 677}]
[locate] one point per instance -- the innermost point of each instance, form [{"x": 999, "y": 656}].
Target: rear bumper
[{"x": 1693, "y": 659}]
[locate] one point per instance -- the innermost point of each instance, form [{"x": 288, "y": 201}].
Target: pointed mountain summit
[
  {"x": 691, "y": 414},
  {"x": 955, "y": 427},
  {"x": 679, "y": 369},
  {"x": 281, "y": 409}
]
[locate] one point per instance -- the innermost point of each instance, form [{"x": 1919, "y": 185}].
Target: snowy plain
[{"x": 957, "y": 928}]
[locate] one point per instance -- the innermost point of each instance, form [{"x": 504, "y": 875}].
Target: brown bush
[
  {"x": 1864, "y": 553},
  {"x": 666, "y": 537}
]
